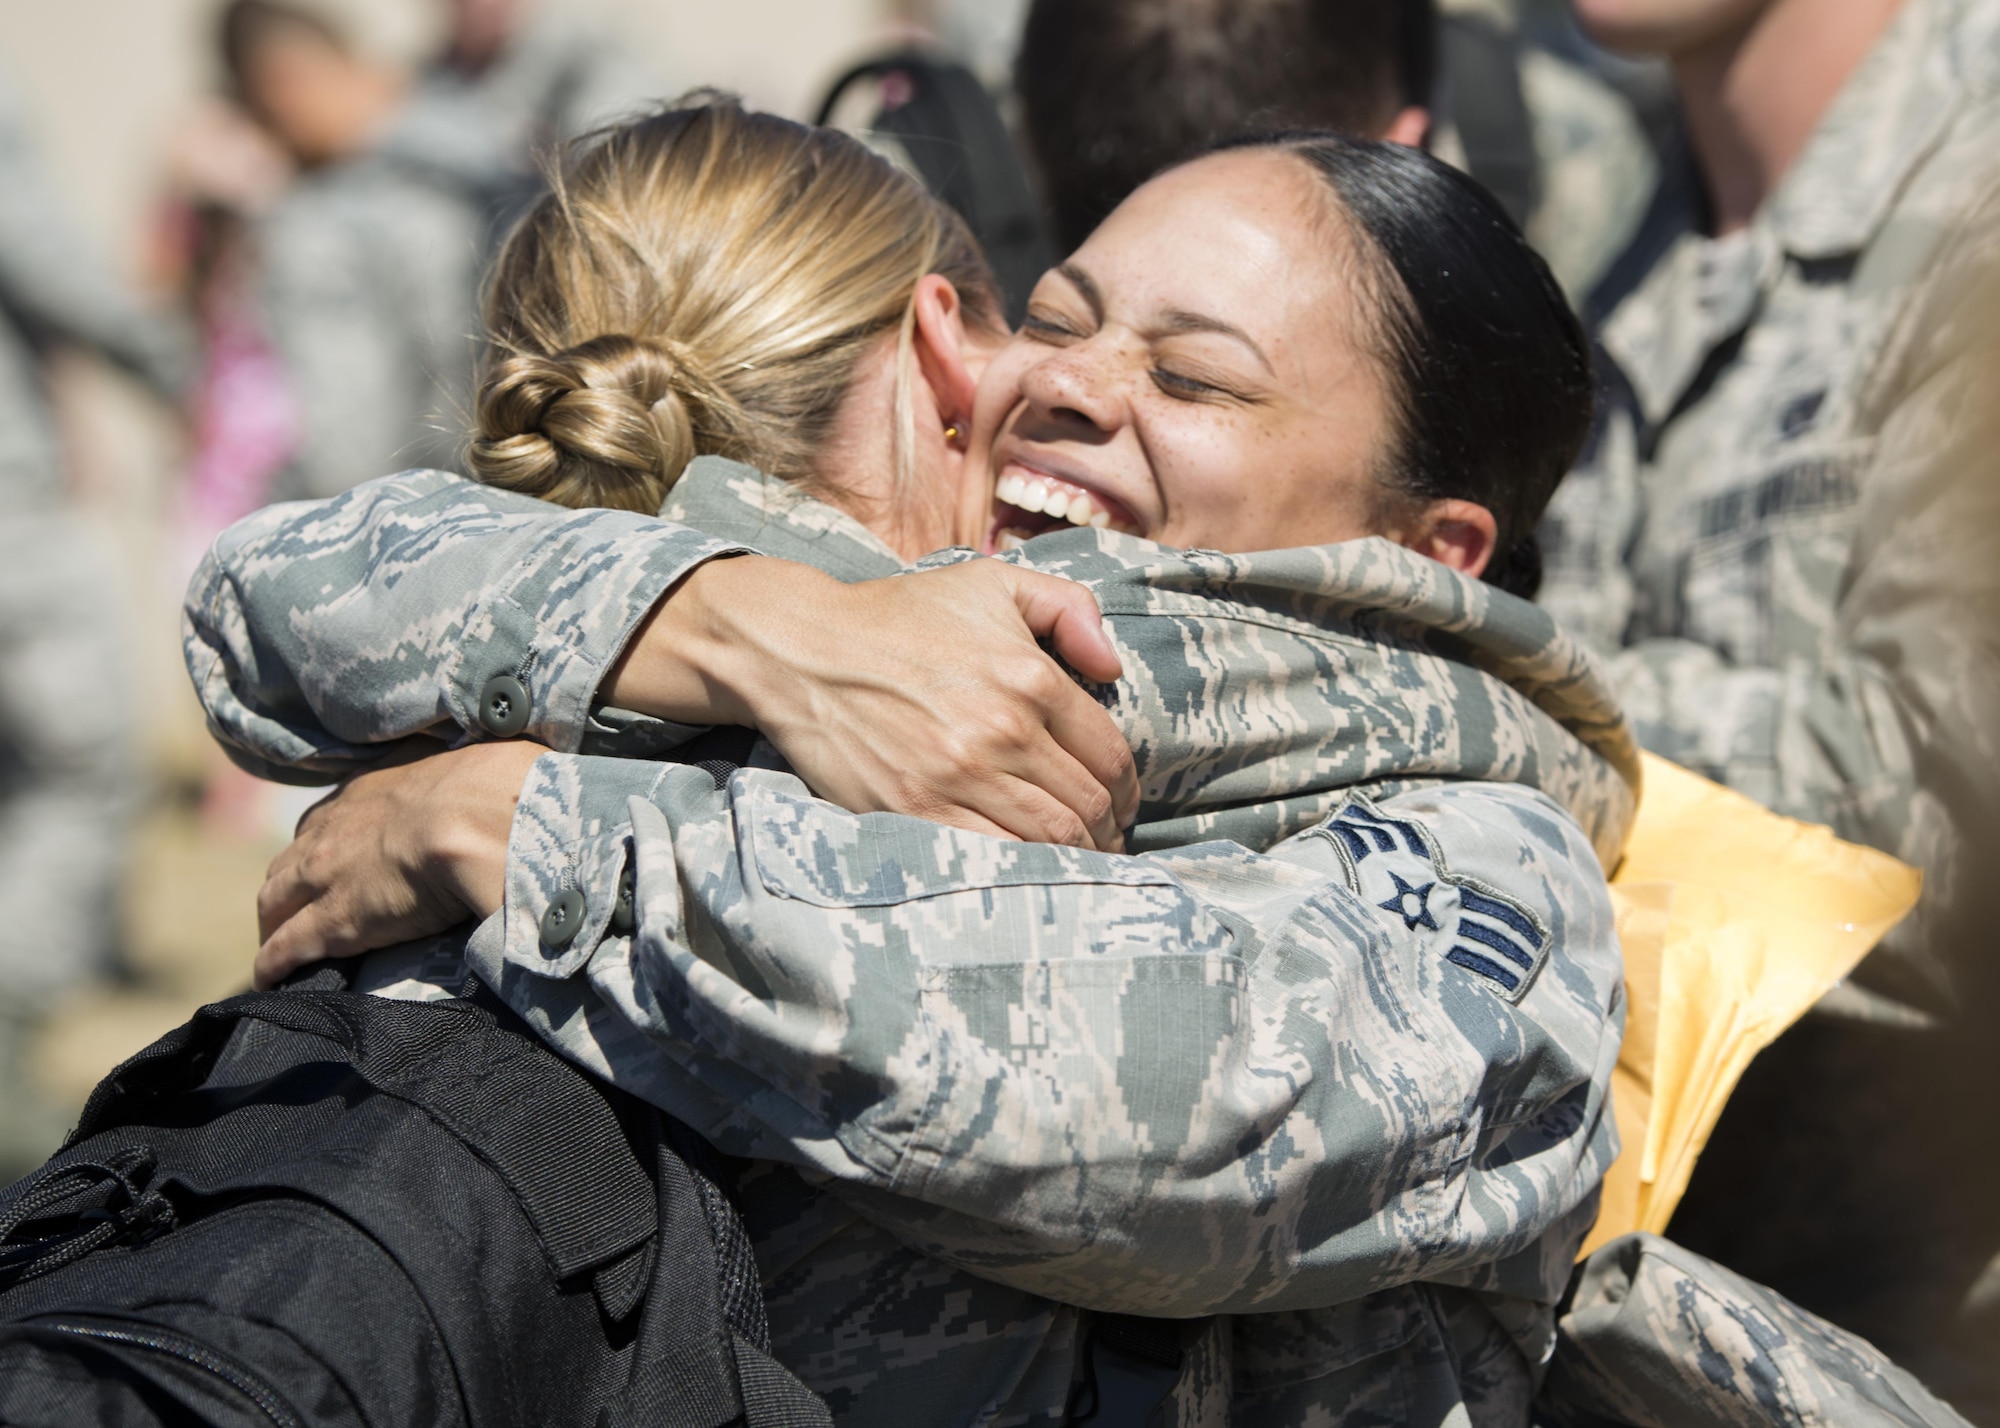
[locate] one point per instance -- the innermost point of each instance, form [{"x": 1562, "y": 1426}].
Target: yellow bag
[{"x": 1734, "y": 922}]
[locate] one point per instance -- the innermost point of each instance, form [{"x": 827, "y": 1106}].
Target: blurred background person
[
  {"x": 1755, "y": 535},
  {"x": 511, "y": 77},
  {"x": 369, "y": 261},
  {"x": 1101, "y": 94},
  {"x": 224, "y": 174},
  {"x": 68, "y": 771},
  {"x": 1113, "y": 90}
]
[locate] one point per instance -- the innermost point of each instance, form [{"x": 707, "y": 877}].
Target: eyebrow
[
  {"x": 1087, "y": 285},
  {"x": 1178, "y": 320}
]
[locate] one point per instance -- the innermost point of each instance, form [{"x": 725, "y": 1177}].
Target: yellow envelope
[{"x": 1734, "y": 922}]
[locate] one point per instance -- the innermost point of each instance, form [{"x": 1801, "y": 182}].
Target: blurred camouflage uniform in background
[
  {"x": 1802, "y": 591},
  {"x": 1563, "y": 150},
  {"x": 369, "y": 289},
  {"x": 68, "y": 766},
  {"x": 992, "y": 1082},
  {"x": 372, "y": 264}
]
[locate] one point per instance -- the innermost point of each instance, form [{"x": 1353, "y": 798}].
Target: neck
[{"x": 1754, "y": 94}]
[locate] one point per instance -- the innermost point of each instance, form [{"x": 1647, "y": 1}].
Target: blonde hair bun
[
  {"x": 702, "y": 281},
  {"x": 608, "y": 422}
]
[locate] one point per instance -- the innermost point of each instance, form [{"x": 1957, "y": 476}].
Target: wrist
[
  {"x": 468, "y": 821},
  {"x": 718, "y": 649}
]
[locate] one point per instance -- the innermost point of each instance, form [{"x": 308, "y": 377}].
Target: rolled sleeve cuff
[
  {"x": 572, "y": 833},
  {"x": 560, "y": 622}
]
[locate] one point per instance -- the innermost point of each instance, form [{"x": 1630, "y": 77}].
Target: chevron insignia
[{"x": 1394, "y": 867}]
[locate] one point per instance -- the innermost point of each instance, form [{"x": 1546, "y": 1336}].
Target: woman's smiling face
[{"x": 1200, "y": 373}]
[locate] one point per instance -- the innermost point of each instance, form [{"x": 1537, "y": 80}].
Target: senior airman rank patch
[{"x": 1394, "y": 867}]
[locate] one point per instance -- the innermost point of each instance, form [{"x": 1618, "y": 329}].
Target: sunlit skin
[
  {"x": 1665, "y": 27},
  {"x": 1755, "y": 78},
  {"x": 322, "y": 105},
  {"x": 1200, "y": 367}
]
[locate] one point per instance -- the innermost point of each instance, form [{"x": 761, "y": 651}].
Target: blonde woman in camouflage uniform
[{"x": 1338, "y": 1103}]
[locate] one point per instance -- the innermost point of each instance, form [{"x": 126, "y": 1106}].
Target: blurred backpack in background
[{"x": 949, "y": 128}]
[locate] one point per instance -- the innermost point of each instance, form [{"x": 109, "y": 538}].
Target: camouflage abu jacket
[
  {"x": 1740, "y": 532},
  {"x": 1345, "y": 1093}
]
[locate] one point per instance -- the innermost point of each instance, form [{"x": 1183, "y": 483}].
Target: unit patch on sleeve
[{"x": 1394, "y": 867}]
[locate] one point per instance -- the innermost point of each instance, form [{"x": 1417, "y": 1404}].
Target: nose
[{"x": 1076, "y": 389}]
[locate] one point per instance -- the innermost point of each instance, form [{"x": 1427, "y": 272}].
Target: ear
[
  {"x": 1461, "y": 534},
  {"x": 1411, "y": 127},
  {"x": 945, "y": 355}
]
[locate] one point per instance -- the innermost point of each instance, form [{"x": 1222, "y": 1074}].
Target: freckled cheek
[{"x": 1208, "y": 465}]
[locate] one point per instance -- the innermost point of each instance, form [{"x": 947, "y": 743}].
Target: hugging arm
[
  {"x": 1176, "y": 1084},
  {"x": 326, "y": 638},
  {"x": 322, "y": 637}
]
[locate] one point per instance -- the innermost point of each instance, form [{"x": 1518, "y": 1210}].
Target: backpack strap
[
  {"x": 1482, "y": 67},
  {"x": 953, "y": 132}
]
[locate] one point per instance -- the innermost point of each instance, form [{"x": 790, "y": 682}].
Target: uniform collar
[
  {"x": 1890, "y": 116},
  {"x": 731, "y": 501}
]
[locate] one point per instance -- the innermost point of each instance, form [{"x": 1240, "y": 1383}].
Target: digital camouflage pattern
[
  {"x": 1597, "y": 169},
  {"x": 1756, "y": 1357},
  {"x": 1594, "y": 166},
  {"x": 1711, "y": 536},
  {"x": 1365, "y": 1069},
  {"x": 1344, "y": 1095}
]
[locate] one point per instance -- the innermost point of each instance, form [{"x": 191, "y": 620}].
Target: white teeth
[{"x": 1060, "y": 500}]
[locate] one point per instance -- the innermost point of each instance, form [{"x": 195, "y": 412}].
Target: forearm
[
  {"x": 1074, "y": 1073},
  {"x": 318, "y": 635}
]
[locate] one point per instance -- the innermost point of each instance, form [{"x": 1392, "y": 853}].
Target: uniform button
[
  {"x": 623, "y": 919},
  {"x": 563, "y": 920},
  {"x": 503, "y": 706}
]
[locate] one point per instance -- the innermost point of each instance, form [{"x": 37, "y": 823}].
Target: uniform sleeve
[
  {"x": 1176, "y": 1084},
  {"x": 320, "y": 635}
]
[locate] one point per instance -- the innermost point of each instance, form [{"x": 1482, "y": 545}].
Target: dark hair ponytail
[{"x": 1489, "y": 366}]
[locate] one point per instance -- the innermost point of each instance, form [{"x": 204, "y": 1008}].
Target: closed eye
[
  {"x": 1186, "y": 387},
  {"x": 1044, "y": 328}
]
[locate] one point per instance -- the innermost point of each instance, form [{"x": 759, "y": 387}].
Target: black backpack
[{"x": 313, "y": 1207}]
